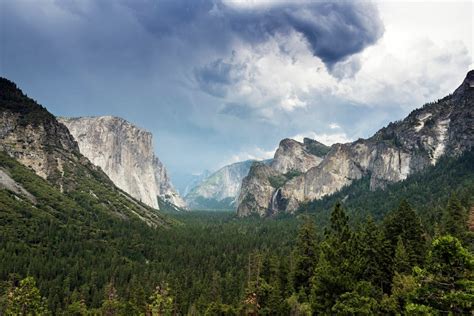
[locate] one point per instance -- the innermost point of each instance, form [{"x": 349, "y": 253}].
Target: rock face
[
  {"x": 165, "y": 188},
  {"x": 441, "y": 128},
  {"x": 261, "y": 189},
  {"x": 125, "y": 153},
  {"x": 220, "y": 189},
  {"x": 295, "y": 156},
  {"x": 34, "y": 137}
]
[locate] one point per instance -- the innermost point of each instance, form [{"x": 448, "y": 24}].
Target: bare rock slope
[
  {"x": 260, "y": 191},
  {"x": 125, "y": 153},
  {"x": 445, "y": 127},
  {"x": 34, "y": 138}
]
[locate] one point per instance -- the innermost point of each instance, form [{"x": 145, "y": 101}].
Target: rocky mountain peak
[
  {"x": 125, "y": 152},
  {"x": 445, "y": 127},
  {"x": 466, "y": 89}
]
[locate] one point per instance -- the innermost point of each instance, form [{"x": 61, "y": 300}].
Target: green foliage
[
  {"x": 428, "y": 191},
  {"x": 278, "y": 181},
  {"x": 74, "y": 244},
  {"x": 374, "y": 255},
  {"x": 447, "y": 282},
  {"x": 455, "y": 218},
  {"x": 358, "y": 302},
  {"x": 405, "y": 225},
  {"x": 317, "y": 148},
  {"x": 335, "y": 272},
  {"x": 25, "y": 299},
  {"x": 161, "y": 301},
  {"x": 401, "y": 260},
  {"x": 306, "y": 255}
]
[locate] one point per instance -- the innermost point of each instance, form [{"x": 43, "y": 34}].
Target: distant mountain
[
  {"x": 445, "y": 127},
  {"x": 185, "y": 182},
  {"x": 43, "y": 170},
  {"x": 125, "y": 153},
  {"x": 220, "y": 189}
]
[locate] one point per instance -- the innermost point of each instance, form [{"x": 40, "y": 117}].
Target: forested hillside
[
  {"x": 428, "y": 190},
  {"x": 215, "y": 264},
  {"x": 72, "y": 243}
]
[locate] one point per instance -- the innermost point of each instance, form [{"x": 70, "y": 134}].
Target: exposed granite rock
[
  {"x": 34, "y": 137},
  {"x": 295, "y": 156},
  {"x": 261, "y": 189},
  {"x": 165, "y": 188},
  {"x": 256, "y": 192},
  {"x": 125, "y": 153},
  {"x": 6, "y": 182},
  {"x": 220, "y": 188},
  {"x": 441, "y": 128}
]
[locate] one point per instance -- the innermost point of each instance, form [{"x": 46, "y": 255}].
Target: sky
[{"x": 221, "y": 81}]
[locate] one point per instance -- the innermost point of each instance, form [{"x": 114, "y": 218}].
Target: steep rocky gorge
[
  {"x": 445, "y": 127},
  {"x": 125, "y": 153}
]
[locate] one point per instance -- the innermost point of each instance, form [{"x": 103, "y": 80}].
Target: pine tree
[
  {"x": 446, "y": 285},
  {"x": 306, "y": 257},
  {"x": 455, "y": 218},
  {"x": 401, "y": 260},
  {"x": 25, "y": 299},
  {"x": 336, "y": 271},
  {"x": 339, "y": 224},
  {"x": 112, "y": 305},
  {"x": 161, "y": 301},
  {"x": 404, "y": 223},
  {"x": 374, "y": 255}
]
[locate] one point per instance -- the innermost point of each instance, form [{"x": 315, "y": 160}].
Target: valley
[{"x": 84, "y": 239}]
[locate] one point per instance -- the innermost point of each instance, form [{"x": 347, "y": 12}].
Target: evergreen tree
[
  {"x": 336, "y": 271},
  {"x": 446, "y": 285},
  {"x": 404, "y": 223},
  {"x": 374, "y": 255},
  {"x": 306, "y": 257},
  {"x": 401, "y": 261},
  {"x": 112, "y": 305},
  {"x": 25, "y": 299},
  {"x": 161, "y": 301},
  {"x": 339, "y": 224},
  {"x": 455, "y": 218},
  {"x": 78, "y": 306}
]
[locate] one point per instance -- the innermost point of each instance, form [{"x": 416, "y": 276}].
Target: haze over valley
[{"x": 236, "y": 157}]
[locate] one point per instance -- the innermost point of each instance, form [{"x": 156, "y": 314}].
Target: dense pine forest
[{"x": 413, "y": 255}]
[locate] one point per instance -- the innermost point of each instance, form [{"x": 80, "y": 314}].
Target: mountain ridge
[
  {"x": 35, "y": 139},
  {"x": 390, "y": 155},
  {"x": 125, "y": 152}
]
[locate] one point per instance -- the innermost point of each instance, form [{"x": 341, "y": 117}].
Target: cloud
[
  {"x": 333, "y": 30},
  {"x": 212, "y": 78},
  {"x": 255, "y": 153},
  {"x": 325, "y": 138}
]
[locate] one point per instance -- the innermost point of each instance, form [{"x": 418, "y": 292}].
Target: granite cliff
[
  {"x": 261, "y": 188},
  {"x": 34, "y": 138},
  {"x": 125, "y": 153},
  {"x": 445, "y": 127}
]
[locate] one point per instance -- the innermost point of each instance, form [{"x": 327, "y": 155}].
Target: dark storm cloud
[
  {"x": 333, "y": 30},
  {"x": 215, "y": 77},
  {"x": 150, "y": 61}
]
